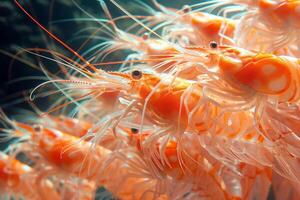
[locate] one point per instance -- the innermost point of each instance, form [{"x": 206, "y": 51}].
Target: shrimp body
[
  {"x": 270, "y": 26},
  {"x": 207, "y": 28},
  {"x": 18, "y": 178},
  {"x": 198, "y": 27},
  {"x": 96, "y": 164},
  {"x": 53, "y": 144},
  {"x": 189, "y": 165},
  {"x": 69, "y": 125},
  {"x": 276, "y": 76},
  {"x": 284, "y": 14},
  {"x": 215, "y": 126}
]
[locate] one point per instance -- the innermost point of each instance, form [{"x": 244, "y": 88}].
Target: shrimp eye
[
  {"x": 213, "y": 44},
  {"x": 37, "y": 128},
  {"x": 186, "y": 9},
  {"x": 146, "y": 36},
  {"x": 134, "y": 130},
  {"x": 136, "y": 74}
]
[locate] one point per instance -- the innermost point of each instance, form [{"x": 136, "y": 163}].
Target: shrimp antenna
[
  {"x": 135, "y": 19},
  {"x": 55, "y": 37},
  {"x": 107, "y": 13},
  {"x": 161, "y": 7},
  {"x": 103, "y": 25},
  {"x": 63, "y": 92}
]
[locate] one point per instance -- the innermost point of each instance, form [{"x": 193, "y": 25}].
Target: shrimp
[
  {"x": 19, "y": 178},
  {"x": 81, "y": 127},
  {"x": 194, "y": 165},
  {"x": 120, "y": 173},
  {"x": 255, "y": 75},
  {"x": 198, "y": 27},
  {"x": 199, "y": 165},
  {"x": 159, "y": 53},
  {"x": 177, "y": 106},
  {"x": 193, "y": 162},
  {"x": 269, "y": 26}
]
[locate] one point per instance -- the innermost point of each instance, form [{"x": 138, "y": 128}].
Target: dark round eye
[
  {"x": 37, "y": 127},
  {"x": 213, "y": 44},
  {"x": 186, "y": 9},
  {"x": 134, "y": 130},
  {"x": 136, "y": 74}
]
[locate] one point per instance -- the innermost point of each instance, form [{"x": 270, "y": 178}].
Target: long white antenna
[{"x": 135, "y": 19}]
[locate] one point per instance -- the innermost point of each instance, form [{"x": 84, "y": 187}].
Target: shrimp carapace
[{"x": 276, "y": 76}]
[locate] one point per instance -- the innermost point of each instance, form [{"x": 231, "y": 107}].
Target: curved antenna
[
  {"x": 56, "y": 38},
  {"x": 133, "y": 18}
]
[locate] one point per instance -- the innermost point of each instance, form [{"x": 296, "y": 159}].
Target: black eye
[
  {"x": 37, "y": 128},
  {"x": 134, "y": 130},
  {"x": 213, "y": 44},
  {"x": 186, "y": 9},
  {"x": 136, "y": 74}
]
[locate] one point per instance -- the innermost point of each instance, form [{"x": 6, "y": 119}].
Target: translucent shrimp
[
  {"x": 80, "y": 127},
  {"x": 199, "y": 165},
  {"x": 198, "y": 28},
  {"x": 269, "y": 26},
  {"x": 20, "y": 180},
  {"x": 217, "y": 133},
  {"x": 120, "y": 173},
  {"x": 160, "y": 56},
  {"x": 255, "y": 75},
  {"x": 193, "y": 162},
  {"x": 177, "y": 106},
  {"x": 160, "y": 53},
  {"x": 192, "y": 165}
]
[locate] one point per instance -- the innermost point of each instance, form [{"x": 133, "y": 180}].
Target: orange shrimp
[
  {"x": 57, "y": 148},
  {"x": 171, "y": 165},
  {"x": 81, "y": 128},
  {"x": 177, "y": 106},
  {"x": 171, "y": 102},
  {"x": 199, "y": 27},
  {"x": 18, "y": 178},
  {"x": 161, "y": 54},
  {"x": 99, "y": 165},
  {"x": 253, "y": 73},
  {"x": 194, "y": 163},
  {"x": 269, "y": 26}
]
